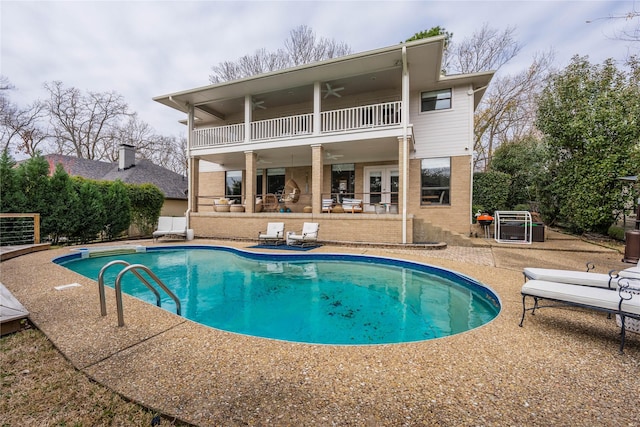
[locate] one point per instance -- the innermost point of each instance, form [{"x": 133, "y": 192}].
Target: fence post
[{"x": 36, "y": 229}]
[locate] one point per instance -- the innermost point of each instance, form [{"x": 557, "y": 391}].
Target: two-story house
[{"x": 375, "y": 147}]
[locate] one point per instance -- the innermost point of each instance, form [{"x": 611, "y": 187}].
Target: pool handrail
[
  {"x": 133, "y": 268},
  {"x": 103, "y": 302}
]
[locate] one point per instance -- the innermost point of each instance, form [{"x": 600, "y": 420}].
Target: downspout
[
  {"x": 189, "y": 164},
  {"x": 405, "y": 154}
]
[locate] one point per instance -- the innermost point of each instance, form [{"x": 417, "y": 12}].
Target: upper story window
[{"x": 435, "y": 100}]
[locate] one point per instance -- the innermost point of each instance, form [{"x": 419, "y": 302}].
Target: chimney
[{"x": 127, "y": 156}]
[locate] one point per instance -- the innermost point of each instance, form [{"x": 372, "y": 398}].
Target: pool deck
[{"x": 561, "y": 368}]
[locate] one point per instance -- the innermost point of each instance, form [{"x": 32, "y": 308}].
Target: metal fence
[{"x": 19, "y": 229}]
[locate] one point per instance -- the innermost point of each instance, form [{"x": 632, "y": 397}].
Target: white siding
[{"x": 443, "y": 133}]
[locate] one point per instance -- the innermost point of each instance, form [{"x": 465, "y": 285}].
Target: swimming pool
[{"x": 312, "y": 298}]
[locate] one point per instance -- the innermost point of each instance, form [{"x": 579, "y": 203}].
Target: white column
[
  {"x": 248, "y": 109},
  {"x": 404, "y": 178},
  {"x": 317, "y": 105}
]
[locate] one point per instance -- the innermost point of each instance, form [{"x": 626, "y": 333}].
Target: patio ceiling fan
[
  {"x": 257, "y": 104},
  {"x": 262, "y": 161},
  {"x": 334, "y": 156},
  {"x": 332, "y": 91}
]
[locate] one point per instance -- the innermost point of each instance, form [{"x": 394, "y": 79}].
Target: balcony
[{"x": 344, "y": 120}]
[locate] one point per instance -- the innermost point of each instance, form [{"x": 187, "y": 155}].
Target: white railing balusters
[{"x": 343, "y": 120}]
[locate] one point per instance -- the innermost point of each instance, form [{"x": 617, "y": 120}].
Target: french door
[{"x": 381, "y": 185}]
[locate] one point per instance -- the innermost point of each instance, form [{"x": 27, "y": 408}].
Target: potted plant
[{"x": 222, "y": 205}]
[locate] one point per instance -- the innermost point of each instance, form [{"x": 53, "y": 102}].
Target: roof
[
  {"x": 381, "y": 67},
  {"x": 173, "y": 185}
]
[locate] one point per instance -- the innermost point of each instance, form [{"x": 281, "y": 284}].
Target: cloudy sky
[{"x": 143, "y": 49}]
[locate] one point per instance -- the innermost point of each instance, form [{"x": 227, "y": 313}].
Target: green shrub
[
  {"x": 616, "y": 232},
  {"x": 522, "y": 207},
  {"x": 491, "y": 190}
]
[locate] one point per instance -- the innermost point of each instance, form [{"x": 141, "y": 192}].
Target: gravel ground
[{"x": 561, "y": 368}]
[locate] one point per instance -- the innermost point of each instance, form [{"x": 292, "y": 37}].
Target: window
[
  {"x": 234, "y": 186},
  {"x": 435, "y": 100},
  {"x": 259, "y": 181},
  {"x": 275, "y": 181},
  {"x": 436, "y": 181},
  {"x": 343, "y": 181}
]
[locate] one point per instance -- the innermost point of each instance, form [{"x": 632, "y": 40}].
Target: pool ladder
[{"x": 118, "y": 286}]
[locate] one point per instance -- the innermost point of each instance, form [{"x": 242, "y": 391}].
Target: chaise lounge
[
  {"x": 584, "y": 278},
  {"x": 625, "y": 302}
]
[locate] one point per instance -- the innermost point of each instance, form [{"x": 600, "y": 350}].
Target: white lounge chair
[
  {"x": 625, "y": 302},
  {"x": 309, "y": 235},
  {"x": 169, "y": 226},
  {"x": 598, "y": 280},
  {"x": 274, "y": 234}
]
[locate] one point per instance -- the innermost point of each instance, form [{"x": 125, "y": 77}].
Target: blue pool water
[{"x": 312, "y": 298}]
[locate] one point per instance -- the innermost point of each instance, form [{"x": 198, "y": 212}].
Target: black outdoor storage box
[{"x": 513, "y": 230}]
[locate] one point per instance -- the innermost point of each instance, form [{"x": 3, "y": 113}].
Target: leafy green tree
[
  {"x": 146, "y": 203},
  {"x": 64, "y": 205},
  {"x": 33, "y": 177},
  {"x": 522, "y": 160},
  {"x": 11, "y": 197},
  {"x": 590, "y": 116},
  {"x": 433, "y": 32},
  {"x": 491, "y": 191},
  {"x": 91, "y": 222},
  {"x": 118, "y": 211}
]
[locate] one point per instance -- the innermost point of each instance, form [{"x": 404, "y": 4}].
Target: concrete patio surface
[{"x": 561, "y": 368}]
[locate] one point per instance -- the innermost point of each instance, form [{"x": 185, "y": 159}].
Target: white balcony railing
[
  {"x": 343, "y": 120},
  {"x": 368, "y": 116},
  {"x": 282, "y": 127},
  {"x": 218, "y": 135}
]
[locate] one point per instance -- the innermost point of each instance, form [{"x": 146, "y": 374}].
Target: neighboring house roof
[{"x": 173, "y": 185}]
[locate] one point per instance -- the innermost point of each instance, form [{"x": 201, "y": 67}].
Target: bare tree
[
  {"x": 134, "y": 132},
  {"x": 487, "y": 49},
  {"x": 21, "y": 129},
  {"x": 168, "y": 152},
  {"x": 631, "y": 32},
  {"x": 301, "y": 47},
  {"x": 507, "y": 113},
  {"x": 83, "y": 124}
]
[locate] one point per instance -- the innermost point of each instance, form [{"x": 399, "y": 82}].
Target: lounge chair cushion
[
  {"x": 584, "y": 278},
  {"x": 631, "y": 273},
  {"x": 582, "y": 295},
  {"x": 275, "y": 230}
]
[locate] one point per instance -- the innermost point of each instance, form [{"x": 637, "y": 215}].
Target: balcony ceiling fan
[{"x": 332, "y": 91}]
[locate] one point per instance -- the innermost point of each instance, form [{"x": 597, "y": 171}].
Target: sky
[{"x": 143, "y": 49}]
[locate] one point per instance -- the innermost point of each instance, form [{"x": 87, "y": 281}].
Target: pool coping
[{"x": 206, "y": 376}]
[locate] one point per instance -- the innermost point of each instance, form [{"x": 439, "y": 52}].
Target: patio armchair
[
  {"x": 274, "y": 234},
  {"x": 308, "y": 237}
]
